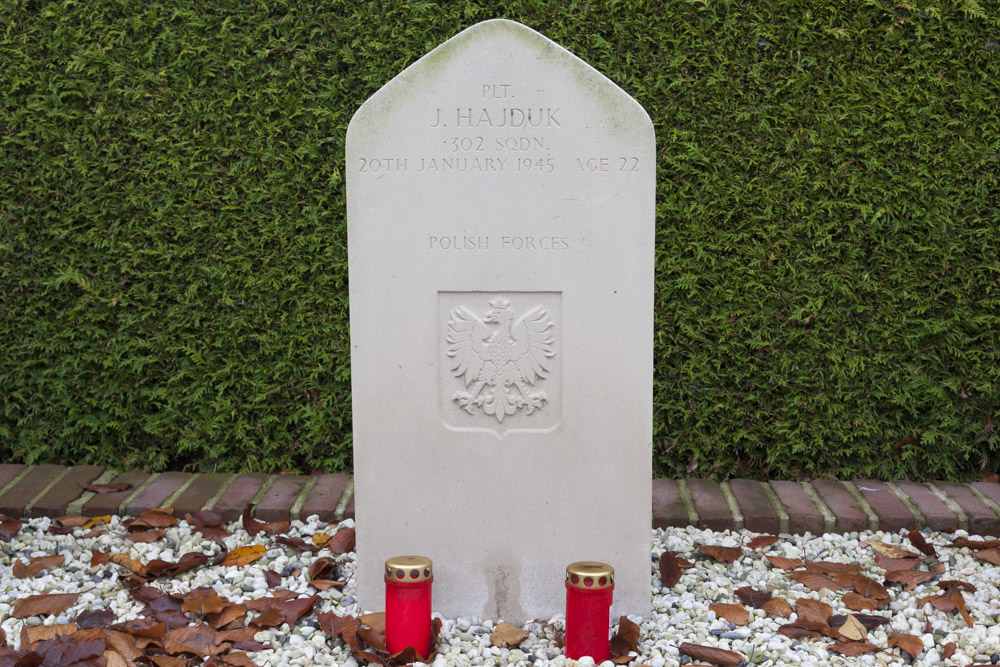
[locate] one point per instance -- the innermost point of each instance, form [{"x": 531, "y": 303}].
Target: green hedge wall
[{"x": 172, "y": 240}]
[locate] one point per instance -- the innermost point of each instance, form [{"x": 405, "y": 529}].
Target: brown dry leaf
[
  {"x": 975, "y": 545},
  {"x": 955, "y": 593},
  {"x": 229, "y": 613},
  {"x": 147, "y": 535},
  {"x": 204, "y": 604},
  {"x": 852, "y": 648},
  {"x": 761, "y": 541},
  {"x": 375, "y": 621},
  {"x": 272, "y": 578},
  {"x": 113, "y": 659},
  {"x": 321, "y": 540},
  {"x": 9, "y": 528},
  {"x": 896, "y": 564},
  {"x": 36, "y": 565},
  {"x": 32, "y": 635},
  {"x": 296, "y": 543},
  {"x": 160, "y": 517},
  {"x": 734, "y": 613},
  {"x": 813, "y": 610},
  {"x": 721, "y": 554},
  {"x": 45, "y": 604},
  {"x": 829, "y": 568},
  {"x": 114, "y": 487},
  {"x": 815, "y": 581},
  {"x": 909, "y": 643},
  {"x": 253, "y": 526},
  {"x": 989, "y": 555},
  {"x": 72, "y": 521},
  {"x": 865, "y": 587},
  {"x": 129, "y": 563},
  {"x": 752, "y": 598},
  {"x": 853, "y": 630},
  {"x": 95, "y": 618},
  {"x": 716, "y": 656},
  {"x": 891, "y": 550},
  {"x": 856, "y": 602},
  {"x": 811, "y": 629},
  {"x": 684, "y": 564},
  {"x": 168, "y": 661},
  {"x": 670, "y": 570},
  {"x": 624, "y": 642},
  {"x": 918, "y": 541},
  {"x": 787, "y": 564},
  {"x": 778, "y": 607},
  {"x": 507, "y": 636},
  {"x": 96, "y": 521},
  {"x": 949, "y": 650},
  {"x": 244, "y": 555},
  {"x": 911, "y": 578},
  {"x": 342, "y": 541}
]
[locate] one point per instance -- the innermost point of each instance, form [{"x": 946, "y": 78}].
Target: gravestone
[{"x": 500, "y": 207}]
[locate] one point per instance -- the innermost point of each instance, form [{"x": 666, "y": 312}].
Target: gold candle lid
[
  {"x": 409, "y": 569},
  {"x": 590, "y": 575}
]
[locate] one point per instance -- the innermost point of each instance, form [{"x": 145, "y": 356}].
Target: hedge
[{"x": 173, "y": 247}]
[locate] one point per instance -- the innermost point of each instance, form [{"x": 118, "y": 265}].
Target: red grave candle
[
  {"x": 590, "y": 587},
  {"x": 408, "y": 582}
]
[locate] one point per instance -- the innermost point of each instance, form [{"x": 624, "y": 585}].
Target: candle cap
[
  {"x": 590, "y": 575},
  {"x": 409, "y": 569}
]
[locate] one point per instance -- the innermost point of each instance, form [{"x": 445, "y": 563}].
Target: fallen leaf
[
  {"x": 830, "y": 568},
  {"x": 229, "y": 613},
  {"x": 375, "y": 621},
  {"x": 734, "y": 613},
  {"x": 9, "y": 528},
  {"x": 911, "y": 578},
  {"x": 96, "y": 618},
  {"x": 815, "y": 581},
  {"x": 244, "y": 555},
  {"x": 909, "y": 643},
  {"x": 204, "y": 518},
  {"x": 204, "y": 604},
  {"x": 949, "y": 650},
  {"x": 787, "y": 564},
  {"x": 917, "y": 540},
  {"x": 804, "y": 628},
  {"x": 989, "y": 555},
  {"x": 975, "y": 545},
  {"x": 896, "y": 564},
  {"x": 813, "y": 610},
  {"x": 146, "y": 535},
  {"x": 272, "y": 578},
  {"x": 32, "y": 635},
  {"x": 955, "y": 593},
  {"x": 507, "y": 636},
  {"x": 71, "y": 521},
  {"x": 778, "y": 607},
  {"x": 113, "y": 487},
  {"x": 342, "y": 542},
  {"x": 891, "y": 550},
  {"x": 296, "y": 543},
  {"x": 129, "y": 563},
  {"x": 870, "y": 621},
  {"x": 853, "y": 630},
  {"x": 752, "y": 598},
  {"x": 717, "y": 656},
  {"x": 852, "y": 648},
  {"x": 45, "y": 604},
  {"x": 321, "y": 540},
  {"x": 624, "y": 642},
  {"x": 253, "y": 526},
  {"x": 762, "y": 541},
  {"x": 35, "y": 565},
  {"x": 670, "y": 570},
  {"x": 721, "y": 554},
  {"x": 856, "y": 602}
]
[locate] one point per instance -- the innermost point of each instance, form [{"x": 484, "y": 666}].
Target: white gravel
[{"x": 680, "y": 614}]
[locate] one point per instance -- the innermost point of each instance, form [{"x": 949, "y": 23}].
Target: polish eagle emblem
[{"x": 500, "y": 358}]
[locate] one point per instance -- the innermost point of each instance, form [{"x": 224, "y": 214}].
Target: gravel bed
[{"x": 680, "y": 614}]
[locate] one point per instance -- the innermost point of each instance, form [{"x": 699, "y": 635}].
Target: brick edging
[{"x": 778, "y": 506}]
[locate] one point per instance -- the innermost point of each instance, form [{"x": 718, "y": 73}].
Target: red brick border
[{"x": 36, "y": 494}]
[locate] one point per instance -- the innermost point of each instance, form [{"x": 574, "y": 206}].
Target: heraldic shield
[{"x": 500, "y": 361}]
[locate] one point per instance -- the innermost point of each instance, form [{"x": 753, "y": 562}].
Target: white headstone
[{"x": 500, "y": 206}]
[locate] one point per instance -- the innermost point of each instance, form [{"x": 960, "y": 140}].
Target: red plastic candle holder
[
  {"x": 590, "y": 588},
  {"x": 408, "y": 582}
]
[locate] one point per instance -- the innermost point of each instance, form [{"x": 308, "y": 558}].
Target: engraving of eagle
[{"x": 500, "y": 359}]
